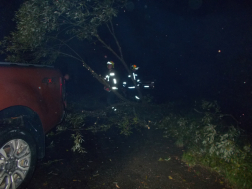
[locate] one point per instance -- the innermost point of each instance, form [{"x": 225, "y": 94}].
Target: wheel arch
[{"x": 22, "y": 117}]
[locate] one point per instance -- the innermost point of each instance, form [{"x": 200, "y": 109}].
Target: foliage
[
  {"x": 126, "y": 125},
  {"x": 212, "y": 145},
  {"x": 78, "y": 139},
  {"x": 99, "y": 121},
  {"x": 74, "y": 122},
  {"x": 148, "y": 98},
  {"x": 210, "y": 106},
  {"x": 45, "y": 26},
  {"x": 178, "y": 128},
  {"x": 47, "y": 29}
]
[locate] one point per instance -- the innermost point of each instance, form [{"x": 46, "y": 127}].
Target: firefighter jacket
[
  {"x": 143, "y": 85},
  {"x": 112, "y": 80},
  {"x": 129, "y": 84}
]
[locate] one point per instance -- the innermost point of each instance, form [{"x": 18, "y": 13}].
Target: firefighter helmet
[
  {"x": 134, "y": 67},
  {"x": 111, "y": 62}
]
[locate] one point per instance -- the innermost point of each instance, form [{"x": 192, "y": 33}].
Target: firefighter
[
  {"x": 131, "y": 88},
  {"x": 112, "y": 80},
  {"x": 132, "y": 92}
]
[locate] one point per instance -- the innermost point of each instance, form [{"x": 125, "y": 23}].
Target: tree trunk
[{"x": 103, "y": 82}]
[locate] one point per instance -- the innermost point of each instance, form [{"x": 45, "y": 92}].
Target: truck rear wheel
[{"x": 17, "y": 158}]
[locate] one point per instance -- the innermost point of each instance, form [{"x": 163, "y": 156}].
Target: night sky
[
  {"x": 179, "y": 45},
  {"x": 193, "y": 49}
]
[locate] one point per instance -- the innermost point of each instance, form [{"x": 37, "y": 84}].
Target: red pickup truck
[{"x": 31, "y": 103}]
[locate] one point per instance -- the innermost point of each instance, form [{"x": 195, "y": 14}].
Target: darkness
[{"x": 193, "y": 49}]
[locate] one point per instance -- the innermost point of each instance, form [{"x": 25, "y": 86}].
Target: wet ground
[{"x": 142, "y": 160}]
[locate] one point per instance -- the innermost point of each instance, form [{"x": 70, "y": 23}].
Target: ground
[{"x": 142, "y": 160}]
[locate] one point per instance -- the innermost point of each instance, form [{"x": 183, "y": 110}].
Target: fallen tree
[{"x": 46, "y": 28}]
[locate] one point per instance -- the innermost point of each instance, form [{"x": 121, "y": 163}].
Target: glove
[{"x": 106, "y": 89}]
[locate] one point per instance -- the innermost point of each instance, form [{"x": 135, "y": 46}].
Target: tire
[{"x": 17, "y": 158}]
